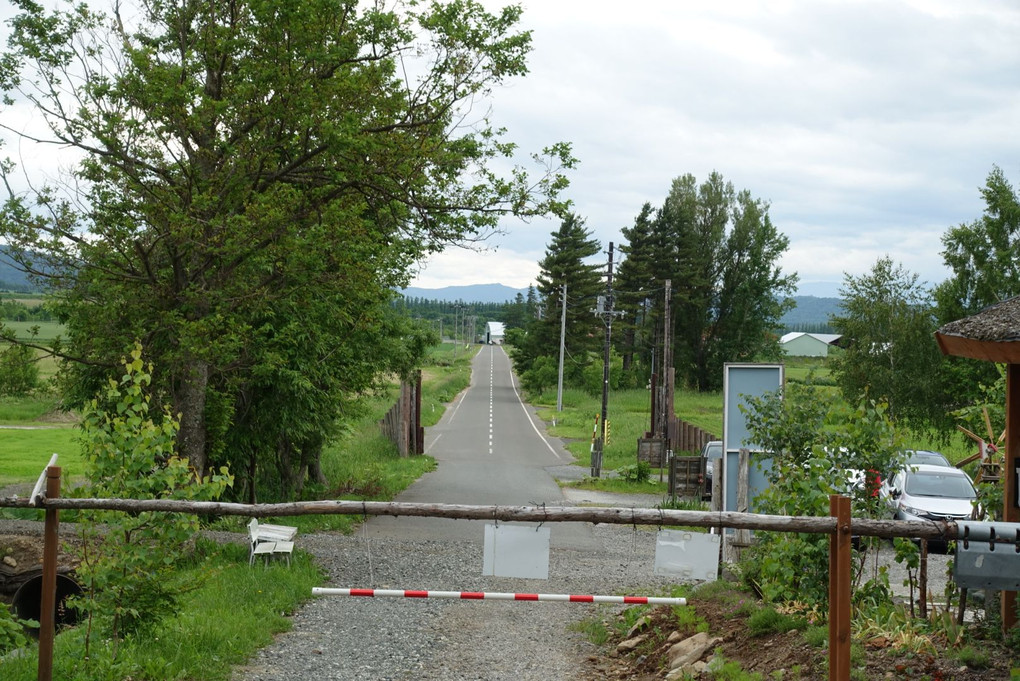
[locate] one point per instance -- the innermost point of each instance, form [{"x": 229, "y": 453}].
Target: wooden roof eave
[{"x": 1004, "y": 352}]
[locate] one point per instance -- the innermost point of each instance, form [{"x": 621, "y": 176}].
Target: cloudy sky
[{"x": 869, "y": 126}]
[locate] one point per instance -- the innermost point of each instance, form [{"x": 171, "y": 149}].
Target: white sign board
[
  {"x": 688, "y": 555},
  {"x": 516, "y": 551}
]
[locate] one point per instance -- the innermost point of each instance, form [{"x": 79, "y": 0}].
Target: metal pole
[
  {"x": 563, "y": 341},
  {"x": 839, "y": 590},
  {"x": 48, "y": 606}
]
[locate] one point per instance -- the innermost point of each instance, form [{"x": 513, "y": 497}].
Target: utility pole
[
  {"x": 666, "y": 380},
  {"x": 604, "y": 309},
  {"x": 456, "y": 328},
  {"x": 563, "y": 341}
]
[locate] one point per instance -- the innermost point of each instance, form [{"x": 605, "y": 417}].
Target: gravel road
[{"x": 375, "y": 639}]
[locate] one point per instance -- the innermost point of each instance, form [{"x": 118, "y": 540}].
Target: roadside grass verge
[{"x": 234, "y": 611}]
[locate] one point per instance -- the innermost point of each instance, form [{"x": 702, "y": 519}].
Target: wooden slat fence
[{"x": 402, "y": 423}]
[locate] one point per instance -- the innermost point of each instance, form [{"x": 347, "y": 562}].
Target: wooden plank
[
  {"x": 1011, "y": 502},
  {"x": 839, "y": 590},
  {"x": 1007, "y": 352}
]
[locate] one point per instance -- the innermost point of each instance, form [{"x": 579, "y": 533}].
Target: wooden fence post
[
  {"x": 839, "y": 590},
  {"x": 48, "y": 605}
]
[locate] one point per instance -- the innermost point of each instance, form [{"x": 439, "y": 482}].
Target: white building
[
  {"x": 494, "y": 333},
  {"x": 798, "y": 344}
]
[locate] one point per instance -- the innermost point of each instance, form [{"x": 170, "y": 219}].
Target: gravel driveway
[{"x": 361, "y": 638}]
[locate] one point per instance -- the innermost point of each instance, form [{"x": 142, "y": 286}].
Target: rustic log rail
[
  {"x": 549, "y": 514},
  {"x": 839, "y": 526}
]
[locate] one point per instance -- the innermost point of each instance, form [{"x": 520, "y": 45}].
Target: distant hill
[
  {"x": 811, "y": 311},
  {"x": 476, "y": 293},
  {"x": 11, "y": 278}
]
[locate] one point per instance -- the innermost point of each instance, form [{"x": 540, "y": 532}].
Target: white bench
[{"x": 268, "y": 540}]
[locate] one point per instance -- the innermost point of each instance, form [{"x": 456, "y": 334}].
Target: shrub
[
  {"x": 768, "y": 621},
  {"x": 635, "y": 472},
  {"x": 127, "y": 569},
  {"x": 12, "y": 630},
  {"x": 19, "y": 374}
]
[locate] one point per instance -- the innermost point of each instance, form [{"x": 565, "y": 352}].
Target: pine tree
[
  {"x": 635, "y": 288},
  {"x": 564, "y": 264}
]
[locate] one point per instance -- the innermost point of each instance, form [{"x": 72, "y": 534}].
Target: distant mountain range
[
  {"x": 11, "y": 278},
  {"x": 810, "y": 310},
  {"x": 475, "y": 293}
]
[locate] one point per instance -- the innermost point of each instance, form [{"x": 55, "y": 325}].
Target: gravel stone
[{"x": 390, "y": 639}]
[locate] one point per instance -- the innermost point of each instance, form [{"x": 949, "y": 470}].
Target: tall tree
[
  {"x": 238, "y": 156},
  {"x": 984, "y": 258},
  {"x": 890, "y": 352},
  {"x": 983, "y": 255},
  {"x": 721, "y": 251},
  {"x": 564, "y": 263},
  {"x": 636, "y": 283}
]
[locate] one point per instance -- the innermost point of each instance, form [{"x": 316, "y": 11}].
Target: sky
[{"x": 870, "y": 127}]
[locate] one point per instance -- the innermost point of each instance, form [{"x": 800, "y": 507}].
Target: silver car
[{"x": 927, "y": 492}]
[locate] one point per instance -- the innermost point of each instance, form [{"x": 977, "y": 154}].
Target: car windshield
[{"x": 939, "y": 485}]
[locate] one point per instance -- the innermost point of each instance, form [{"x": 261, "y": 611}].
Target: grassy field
[
  {"x": 24, "y": 453},
  {"x": 44, "y": 331},
  {"x": 630, "y": 413}
]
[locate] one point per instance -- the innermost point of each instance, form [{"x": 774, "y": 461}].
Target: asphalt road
[{"x": 490, "y": 449}]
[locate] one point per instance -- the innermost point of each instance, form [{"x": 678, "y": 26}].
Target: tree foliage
[
  {"x": 565, "y": 263},
  {"x": 890, "y": 354},
  {"x": 256, "y": 179},
  {"x": 19, "y": 373},
  {"x": 984, "y": 258},
  {"x": 817, "y": 446},
  {"x": 721, "y": 251},
  {"x": 982, "y": 255},
  {"x": 129, "y": 452}
]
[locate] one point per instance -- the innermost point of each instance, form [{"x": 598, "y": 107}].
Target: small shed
[
  {"x": 993, "y": 335},
  {"x": 494, "y": 333},
  {"x": 799, "y": 344}
]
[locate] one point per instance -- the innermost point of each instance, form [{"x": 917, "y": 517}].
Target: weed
[
  {"x": 768, "y": 621},
  {"x": 595, "y": 630},
  {"x": 973, "y": 658},
  {"x": 687, "y": 619},
  {"x": 629, "y": 617},
  {"x": 722, "y": 669},
  {"x": 817, "y": 637}
]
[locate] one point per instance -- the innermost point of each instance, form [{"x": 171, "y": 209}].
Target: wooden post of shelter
[
  {"x": 993, "y": 335},
  {"x": 839, "y": 590}
]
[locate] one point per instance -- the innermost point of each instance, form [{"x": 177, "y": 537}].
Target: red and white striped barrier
[{"x": 497, "y": 596}]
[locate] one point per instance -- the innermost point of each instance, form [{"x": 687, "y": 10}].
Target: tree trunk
[
  {"x": 284, "y": 467},
  {"x": 189, "y": 402},
  {"x": 312, "y": 455}
]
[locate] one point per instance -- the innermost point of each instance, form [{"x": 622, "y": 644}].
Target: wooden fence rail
[
  {"x": 548, "y": 514},
  {"x": 838, "y": 527}
]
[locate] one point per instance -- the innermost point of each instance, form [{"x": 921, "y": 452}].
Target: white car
[{"x": 926, "y": 492}]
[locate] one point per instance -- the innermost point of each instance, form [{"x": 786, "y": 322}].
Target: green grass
[
  {"x": 26, "y": 411},
  {"x": 24, "y": 453},
  {"x": 618, "y": 486},
  {"x": 46, "y": 331},
  {"x": 235, "y": 611}
]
